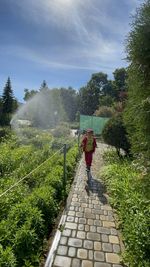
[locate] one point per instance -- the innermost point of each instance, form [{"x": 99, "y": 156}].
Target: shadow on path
[{"x": 96, "y": 187}]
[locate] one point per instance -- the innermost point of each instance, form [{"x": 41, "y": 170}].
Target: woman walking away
[{"x": 89, "y": 145}]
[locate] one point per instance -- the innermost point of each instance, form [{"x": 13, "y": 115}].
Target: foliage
[
  {"x": 69, "y": 100},
  {"x": 120, "y": 76},
  {"x": 136, "y": 117},
  {"x": 129, "y": 194},
  {"x": 29, "y": 210},
  {"x": 29, "y": 94},
  {"x": 106, "y": 100},
  {"x": 114, "y": 133},
  {"x": 61, "y": 130},
  {"x": 89, "y": 95},
  {"x": 8, "y": 104},
  {"x": 104, "y": 111}
]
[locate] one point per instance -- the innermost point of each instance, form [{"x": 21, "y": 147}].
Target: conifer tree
[
  {"x": 44, "y": 87},
  {"x": 7, "y": 98}
]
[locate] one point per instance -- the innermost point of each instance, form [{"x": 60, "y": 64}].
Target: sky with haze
[{"x": 61, "y": 41}]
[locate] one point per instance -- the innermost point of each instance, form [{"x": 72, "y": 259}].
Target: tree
[
  {"x": 114, "y": 133},
  {"x": 104, "y": 111},
  {"x": 69, "y": 101},
  {"x": 8, "y": 104},
  {"x": 137, "y": 112},
  {"x": 7, "y": 98},
  {"x": 44, "y": 86},
  {"x": 89, "y": 95},
  {"x": 29, "y": 94},
  {"x": 120, "y": 85}
]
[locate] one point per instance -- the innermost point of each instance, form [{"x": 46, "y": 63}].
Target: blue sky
[{"x": 61, "y": 41}]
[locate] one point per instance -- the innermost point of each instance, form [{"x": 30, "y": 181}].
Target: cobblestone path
[{"x": 88, "y": 235}]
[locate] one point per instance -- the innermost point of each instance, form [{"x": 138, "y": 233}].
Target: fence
[{"x": 96, "y": 123}]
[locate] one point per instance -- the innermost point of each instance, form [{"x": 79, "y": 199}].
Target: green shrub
[
  {"x": 43, "y": 199},
  {"x": 7, "y": 258},
  {"x": 61, "y": 130},
  {"x": 127, "y": 195},
  {"x": 29, "y": 210},
  {"x": 114, "y": 133}
]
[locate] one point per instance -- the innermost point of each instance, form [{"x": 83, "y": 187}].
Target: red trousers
[{"x": 88, "y": 158}]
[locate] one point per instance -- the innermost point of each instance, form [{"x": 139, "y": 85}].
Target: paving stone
[
  {"x": 73, "y": 233},
  {"x": 97, "y": 217},
  {"x": 75, "y": 204},
  {"x": 113, "y": 231},
  {"x": 75, "y": 242},
  {"x": 97, "y": 245},
  {"x": 84, "y": 205},
  {"x": 62, "y": 250},
  {"x": 99, "y": 256},
  {"x": 72, "y": 251},
  {"x": 88, "y": 244},
  {"x": 70, "y": 219},
  {"x": 75, "y": 199},
  {"x": 113, "y": 239},
  {"x": 71, "y": 213},
  {"x": 63, "y": 240},
  {"x": 107, "y": 247},
  {"x": 90, "y": 221},
  {"x": 87, "y": 228},
  {"x": 104, "y": 238},
  {"x": 97, "y": 207},
  {"x": 108, "y": 224},
  {"x": 81, "y": 234},
  {"x": 70, "y": 225},
  {"x": 91, "y": 254},
  {"x": 110, "y": 212},
  {"x": 61, "y": 261},
  {"x": 112, "y": 258},
  {"x": 76, "y": 220},
  {"x": 75, "y": 263},
  {"x": 91, "y": 206},
  {"x": 89, "y": 215},
  {"x": 79, "y": 214},
  {"x": 81, "y": 209},
  {"x": 82, "y": 220},
  {"x": 100, "y": 264},
  {"x": 71, "y": 207},
  {"x": 93, "y": 228},
  {"x": 111, "y": 218},
  {"x": 103, "y": 230},
  {"x": 86, "y": 263},
  {"x": 66, "y": 232},
  {"x": 81, "y": 227},
  {"x": 116, "y": 248},
  {"x": 97, "y": 211},
  {"x": 93, "y": 236},
  {"x": 103, "y": 217},
  {"x": 82, "y": 253},
  {"x": 97, "y": 223},
  {"x": 117, "y": 265},
  {"x": 88, "y": 210},
  {"x": 106, "y": 207},
  {"x": 95, "y": 202}
]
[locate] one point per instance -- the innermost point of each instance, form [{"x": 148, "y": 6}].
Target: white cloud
[{"x": 90, "y": 29}]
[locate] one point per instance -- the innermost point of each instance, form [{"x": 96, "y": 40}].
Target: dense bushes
[
  {"x": 137, "y": 112},
  {"x": 114, "y": 133},
  {"x": 28, "y": 211},
  {"x": 128, "y": 195}
]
